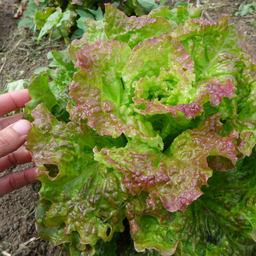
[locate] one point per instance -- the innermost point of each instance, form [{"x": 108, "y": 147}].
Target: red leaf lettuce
[{"x": 152, "y": 121}]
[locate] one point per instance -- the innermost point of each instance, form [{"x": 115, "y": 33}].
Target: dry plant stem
[
  {"x": 5, "y": 253},
  {"x": 39, "y": 48},
  {"x": 12, "y": 39},
  {"x": 23, "y": 4},
  {"x": 1, "y": 69},
  {"x": 29, "y": 241},
  {"x": 18, "y": 13},
  {"x": 207, "y": 15},
  {"x": 20, "y": 10},
  {"x": 5, "y": 57}
]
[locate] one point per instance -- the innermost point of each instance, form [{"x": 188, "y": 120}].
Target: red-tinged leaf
[
  {"x": 77, "y": 190},
  {"x": 213, "y": 91},
  {"x": 94, "y": 33},
  {"x": 175, "y": 178},
  {"x": 166, "y": 64},
  {"x": 133, "y": 30},
  {"x": 97, "y": 89},
  {"x": 246, "y": 134},
  {"x": 228, "y": 58},
  {"x": 51, "y": 143}
]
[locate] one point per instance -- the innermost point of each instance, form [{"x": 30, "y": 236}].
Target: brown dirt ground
[{"x": 19, "y": 57}]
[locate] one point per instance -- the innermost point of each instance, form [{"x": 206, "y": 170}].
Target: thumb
[{"x": 13, "y": 136}]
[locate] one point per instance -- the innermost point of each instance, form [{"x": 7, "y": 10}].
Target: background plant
[
  {"x": 246, "y": 8},
  {"x": 61, "y": 18}
]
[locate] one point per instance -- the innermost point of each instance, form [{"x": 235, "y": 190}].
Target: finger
[
  {"x": 16, "y": 180},
  {"x": 13, "y": 100},
  {"x": 13, "y": 136},
  {"x": 4, "y": 122},
  {"x": 20, "y": 156}
]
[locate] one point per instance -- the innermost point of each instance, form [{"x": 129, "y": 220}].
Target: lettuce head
[{"x": 144, "y": 138}]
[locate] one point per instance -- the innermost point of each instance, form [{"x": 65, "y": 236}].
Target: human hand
[{"x": 13, "y": 134}]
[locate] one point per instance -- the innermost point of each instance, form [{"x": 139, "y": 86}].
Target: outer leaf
[
  {"x": 106, "y": 58},
  {"x": 225, "y": 59},
  {"x": 220, "y": 222},
  {"x": 55, "y": 234},
  {"x": 39, "y": 91},
  {"x": 178, "y": 15},
  {"x": 53, "y": 94},
  {"x": 133, "y": 30},
  {"x": 245, "y": 124},
  {"x": 83, "y": 194},
  {"x": 94, "y": 32}
]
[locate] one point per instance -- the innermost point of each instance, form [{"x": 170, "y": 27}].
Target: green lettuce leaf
[
  {"x": 220, "y": 222},
  {"x": 82, "y": 196},
  {"x": 52, "y": 87},
  {"x": 103, "y": 91},
  {"x": 176, "y": 176},
  {"x": 133, "y": 30},
  {"x": 177, "y": 16},
  {"x": 227, "y": 59},
  {"x": 93, "y": 33},
  {"x": 40, "y": 92}
]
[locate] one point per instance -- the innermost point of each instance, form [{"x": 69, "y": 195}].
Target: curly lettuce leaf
[
  {"x": 245, "y": 125},
  {"x": 98, "y": 90},
  {"x": 176, "y": 16},
  {"x": 220, "y": 222},
  {"x": 218, "y": 50},
  {"x": 83, "y": 196},
  {"x": 161, "y": 76},
  {"x": 93, "y": 33},
  {"x": 166, "y": 61},
  {"x": 176, "y": 176},
  {"x": 133, "y": 30}
]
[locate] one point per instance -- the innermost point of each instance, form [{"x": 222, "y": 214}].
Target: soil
[{"x": 20, "y": 56}]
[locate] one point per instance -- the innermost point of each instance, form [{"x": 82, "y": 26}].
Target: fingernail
[{"x": 22, "y": 127}]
